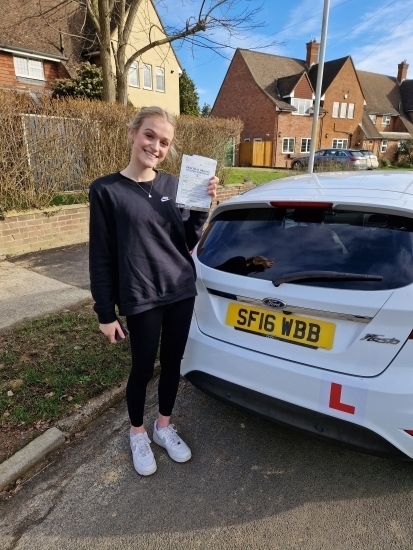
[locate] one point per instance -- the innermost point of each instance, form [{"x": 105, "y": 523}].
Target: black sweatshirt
[{"x": 139, "y": 246}]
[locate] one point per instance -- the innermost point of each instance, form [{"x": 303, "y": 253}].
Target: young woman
[{"x": 140, "y": 261}]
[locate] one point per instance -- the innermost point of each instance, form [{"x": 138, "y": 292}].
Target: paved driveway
[{"x": 67, "y": 264}]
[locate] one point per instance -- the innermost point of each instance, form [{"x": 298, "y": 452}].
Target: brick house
[
  {"x": 33, "y": 53},
  {"x": 42, "y": 42},
  {"x": 388, "y": 115},
  {"x": 274, "y": 96}
]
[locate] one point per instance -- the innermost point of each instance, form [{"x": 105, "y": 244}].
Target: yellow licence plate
[{"x": 274, "y": 324}]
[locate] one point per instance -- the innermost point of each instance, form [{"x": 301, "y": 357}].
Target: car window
[
  {"x": 356, "y": 153},
  {"x": 265, "y": 243},
  {"x": 340, "y": 154}
]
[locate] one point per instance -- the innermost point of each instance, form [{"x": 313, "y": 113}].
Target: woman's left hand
[{"x": 212, "y": 187}]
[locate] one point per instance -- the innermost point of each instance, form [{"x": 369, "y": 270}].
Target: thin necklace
[
  {"x": 144, "y": 190},
  {"x": 150, "y": 190}
]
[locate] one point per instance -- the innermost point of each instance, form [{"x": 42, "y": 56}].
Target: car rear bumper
[
  {"x": 367, "y": 414},
  {"x": 310, "y": 422}
]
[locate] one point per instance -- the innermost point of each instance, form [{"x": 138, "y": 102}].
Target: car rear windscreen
[{"x": 266, "y": 243}]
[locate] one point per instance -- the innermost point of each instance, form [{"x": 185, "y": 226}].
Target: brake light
[
  {"x": 410, "y": 336},
  {"x": 410, "y": 432},
  {"x": 353, "y": 159},
  {"x": 301, "y": 204}
]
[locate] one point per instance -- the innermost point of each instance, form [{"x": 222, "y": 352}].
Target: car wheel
[{"x": 297, "y": 165}]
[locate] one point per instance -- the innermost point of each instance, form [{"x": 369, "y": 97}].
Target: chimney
[
  {"x": 402, "y": 72},
  {"x": 312, "y": 52}
]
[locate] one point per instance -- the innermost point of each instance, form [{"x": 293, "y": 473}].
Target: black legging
[{"x": 145, "y": 329}]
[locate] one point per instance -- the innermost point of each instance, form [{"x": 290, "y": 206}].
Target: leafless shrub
[
  {"x": 208, "y": 137},
  {"x": 52, "y": 146}
]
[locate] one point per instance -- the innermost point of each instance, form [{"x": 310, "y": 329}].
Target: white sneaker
[
  {"x": 143, "y": 459},
  {"x": 167, "y": 438}
]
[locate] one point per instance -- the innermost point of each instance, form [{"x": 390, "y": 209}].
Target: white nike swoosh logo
[{"x": 164, "y": 199}]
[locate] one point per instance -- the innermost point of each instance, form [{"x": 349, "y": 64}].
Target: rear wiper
[{"x": 337, "y": 275}]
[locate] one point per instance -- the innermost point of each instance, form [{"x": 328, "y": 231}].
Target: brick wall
[
  {"x": 61, "y": 226},
  {"x": 239, "y": 94},
  {"x": 345, "y": 88},
  {"x": 291, "y": 126},
  {"x": 34, "y": 230}
]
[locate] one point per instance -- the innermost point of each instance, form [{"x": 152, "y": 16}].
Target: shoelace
[
  {"x": 171, "y": 436},
  {"x": 140, "y": 445}
]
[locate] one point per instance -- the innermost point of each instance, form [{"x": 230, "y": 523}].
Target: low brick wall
[
  {"x": 60, "y": 226},
  {"x": 226, "y": 192},
  {"x": 48, "y": 228}
]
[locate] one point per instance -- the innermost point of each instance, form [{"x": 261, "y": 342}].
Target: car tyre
[{"x": 296, "y": 165}]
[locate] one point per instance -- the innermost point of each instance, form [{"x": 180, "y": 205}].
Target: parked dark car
[{"x": 332, "y": 158}]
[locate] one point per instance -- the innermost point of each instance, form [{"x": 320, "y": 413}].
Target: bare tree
[{"x": 113, "y": 22}]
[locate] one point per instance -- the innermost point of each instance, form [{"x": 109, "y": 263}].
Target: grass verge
[
  {"x": 50, "y": 367},
  {"x": 254, "y": 175}
]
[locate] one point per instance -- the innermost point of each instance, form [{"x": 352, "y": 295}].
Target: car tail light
[
  {"x": 410, "y": 336},
  {"x": 301, "y": 204},
  {"x": 353, "y": 159},
  {"x": 410, "y": 432}
]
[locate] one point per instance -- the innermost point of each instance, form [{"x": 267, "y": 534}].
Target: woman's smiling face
[{"x": 151, "y": 142}]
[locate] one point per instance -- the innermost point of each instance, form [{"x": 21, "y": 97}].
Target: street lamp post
[{"x": 318, "y": 85}]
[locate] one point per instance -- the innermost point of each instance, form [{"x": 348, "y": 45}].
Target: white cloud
[{"x": 386, "y": 40}]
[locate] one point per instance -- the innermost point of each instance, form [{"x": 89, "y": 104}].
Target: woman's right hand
[{"x": 110, "y": 330}]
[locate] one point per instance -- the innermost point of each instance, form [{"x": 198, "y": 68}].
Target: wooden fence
[{"x": 255, "y": 153}]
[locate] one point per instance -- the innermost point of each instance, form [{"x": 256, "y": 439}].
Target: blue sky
[{"x": 378, "y": 34}]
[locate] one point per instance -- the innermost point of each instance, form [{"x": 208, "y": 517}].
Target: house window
[
  {"x": 305, "y": 145},
  {"x": 160, "y": 79},
  {"x": 257, "y": 139},
  {"x": 28, "y": 68},
  {"x": 373, "y": 118},
  {"x": 147, "y": 77},
  {"x": 288, "y": 145},
  {"x": 134, "y": 75},
  {"x": 383, "y": 147},
  {"x": 386, "y": 120},
  {"x": 343, "y": 110},
  {"x": 340, "y": 143},
  {"x": 401, "y": 144},
  {"x": 303, "y": 106}
]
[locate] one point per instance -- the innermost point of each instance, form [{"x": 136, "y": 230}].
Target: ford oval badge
[{"x": 274, "y": 302}]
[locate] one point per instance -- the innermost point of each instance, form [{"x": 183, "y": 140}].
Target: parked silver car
[
  {"x": 372, "y": 160},
  {"x": 332, "y": 158}
]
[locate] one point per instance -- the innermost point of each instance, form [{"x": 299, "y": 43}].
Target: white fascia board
[{"x": 28, "y": 53}]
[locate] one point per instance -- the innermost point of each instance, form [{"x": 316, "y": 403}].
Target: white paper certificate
[{"x": 195, "y": 174}]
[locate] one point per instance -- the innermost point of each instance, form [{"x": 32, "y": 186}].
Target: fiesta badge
[{"x": 274, "y": 302}]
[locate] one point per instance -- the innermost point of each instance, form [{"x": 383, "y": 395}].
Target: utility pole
[{"x": 318, "y": 85}]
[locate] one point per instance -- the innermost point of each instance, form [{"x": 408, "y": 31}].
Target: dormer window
[
  {"x": 303, "y": 106},
  {"x": 386, "y": 120},
  {"x": 28, "y": 68}
]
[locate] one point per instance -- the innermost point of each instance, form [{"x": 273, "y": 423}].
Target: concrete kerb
[{"x": 52, "y": 439}]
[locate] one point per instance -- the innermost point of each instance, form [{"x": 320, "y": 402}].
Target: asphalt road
[{"x": 250, "y": 485}]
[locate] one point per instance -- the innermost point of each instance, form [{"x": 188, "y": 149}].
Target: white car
[
  {"x": 304, "y": 312},
  {"x": 372, "y": 160}
]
